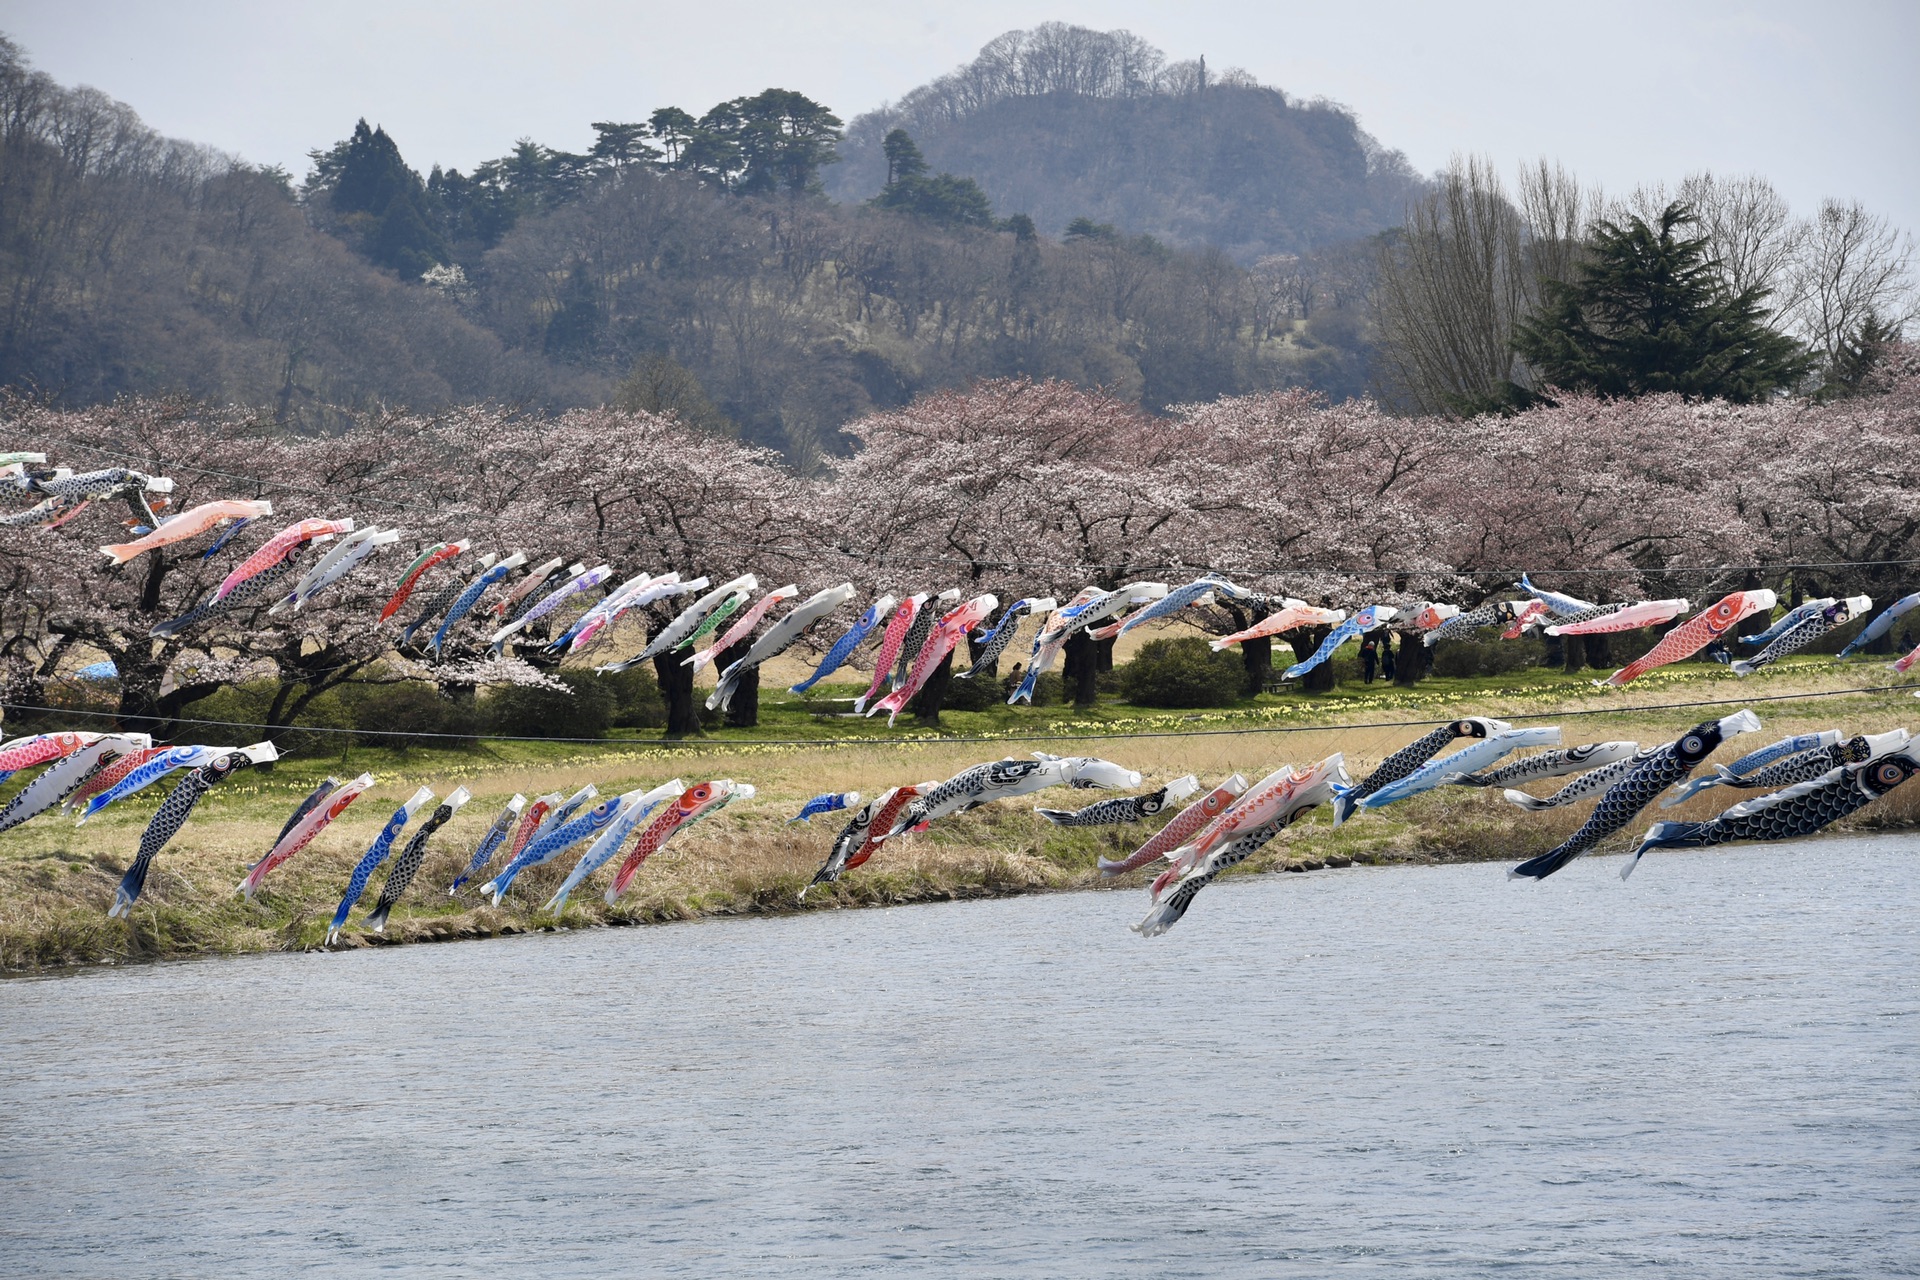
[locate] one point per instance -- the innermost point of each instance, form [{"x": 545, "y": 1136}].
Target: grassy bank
[{"x": 56, "y": 882}]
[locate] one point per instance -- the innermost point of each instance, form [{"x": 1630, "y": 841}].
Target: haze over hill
[
  {"x": 689, "y": 261},
  {"x": 1061, "y": 123}
]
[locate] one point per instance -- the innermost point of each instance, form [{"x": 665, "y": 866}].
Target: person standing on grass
[
  {"x": 1369, "y": 655},
  {"x": 1386, "y": 657}
]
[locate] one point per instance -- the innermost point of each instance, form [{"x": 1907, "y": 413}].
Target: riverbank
[{"x": 56, "y": 882}]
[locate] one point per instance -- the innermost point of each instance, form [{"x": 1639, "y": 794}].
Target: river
[{"x": 1709, "y": 1070}]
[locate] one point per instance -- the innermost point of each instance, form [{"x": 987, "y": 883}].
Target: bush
[
  {"x": 1486, "y": 657},
  {"x": 586, "y": 711},
  {"x": 1181, "y": 672},
  {"x": 981, "y": 693},
  {"x": 406, "y": 706},
  {"x": 637, "y": 703}
]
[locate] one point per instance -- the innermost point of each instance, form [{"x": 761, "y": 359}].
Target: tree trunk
[
  {"x": 1304, "y": 642},
  {"x": 926, "y": 704},
  {"x": 676, "y": 690},
  {"x": 1081, "y": 672},
  {"x": 1103, "y": 656},
  {"x": 1257, "y": 657},
  {"x": 1410, "y": 660},
  {"x": 1573, "y": 653},
  {"x": 1599, "y": 651},
  {"x": 744, "y": 711},
  {"x": 973, "y": 659}
]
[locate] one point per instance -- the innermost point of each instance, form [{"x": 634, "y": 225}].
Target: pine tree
[
  {"x": 940, "y": 197},
  {"x": 1649, "y": 313}
]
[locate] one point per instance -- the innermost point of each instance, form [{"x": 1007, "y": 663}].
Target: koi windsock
[
  {"x": 375, "y": 855},
  {"x": 303, "y": 833},
  {"x": 188, "y": 524},
  {"x": 1690, "y": 637},
  {"x": 843, "y": 647},
  {"x": 173, "y": 813},
  {"x": 635, "y": 806},
  {"x": 408, "y": 863},
  {"x": 1185, "y": 825},
  {"x": 438, "y": 553},
  {"x": 940, "y": 644},
  {"x": 891, "y": 642}
]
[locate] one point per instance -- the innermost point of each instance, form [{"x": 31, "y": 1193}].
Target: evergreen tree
[
  {"x": 617, "y": 146},
  {"x": 1649, "y": 313},
  {"x": 941, "y": 197},
  {"x": 376, "y": 202},
  {"x": 1860, "y": 356},
  {"x": 903, "y": 157},
  {"x": 785, "y": 139}
]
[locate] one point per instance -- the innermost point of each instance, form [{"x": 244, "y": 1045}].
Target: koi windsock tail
[
  {"x": 1663, "y": 835},
  {"x": 338, "y": 923},
  {"x": 120, "y": 553},
  {"x": 1532, "y": 804},
  {"x": 129, "y": 891},
  {"x": 1546, "y": 864},
  {"x": 1025, "y": 692},
  {"x": 1344, "y": 804},
  {"x": 377, "y": 918}
]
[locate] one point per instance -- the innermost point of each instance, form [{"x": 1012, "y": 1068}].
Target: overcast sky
[{"x": 1819, "y": 97}]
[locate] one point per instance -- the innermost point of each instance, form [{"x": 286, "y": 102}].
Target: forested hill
[
  {"x": 1062, "y": 123},
  {"x": 687, "y": 263}
]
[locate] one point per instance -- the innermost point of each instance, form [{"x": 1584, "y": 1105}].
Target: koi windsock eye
[
  {"x": 702, "y": 793},
  {"x": 1888, "y": 774},
  {"x": 1692, "y": 745}
]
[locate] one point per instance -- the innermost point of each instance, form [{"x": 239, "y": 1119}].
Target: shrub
[
  {"x": 1181, "y": 672},
  {"x": 406, "y": 707},
  {"x": 1493, "y": 657},
  {"x": 981, "y": 693},
  {"x": 637, "y": 703},
  {"x": 586, "y": 711}
]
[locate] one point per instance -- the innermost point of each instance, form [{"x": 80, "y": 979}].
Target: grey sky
[{"x": 1820, "y": 98}]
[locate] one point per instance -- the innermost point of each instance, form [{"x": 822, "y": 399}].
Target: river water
[{"x": 1710, "y": 1070}]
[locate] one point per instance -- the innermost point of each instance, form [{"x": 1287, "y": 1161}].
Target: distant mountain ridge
[{"x": 1064, "y": 122}]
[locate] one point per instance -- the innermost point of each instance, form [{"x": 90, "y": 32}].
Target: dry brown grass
[{"x": 55, "y": 882}]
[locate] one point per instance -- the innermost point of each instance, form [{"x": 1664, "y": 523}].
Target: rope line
[{"x": 1036, "y": 736}]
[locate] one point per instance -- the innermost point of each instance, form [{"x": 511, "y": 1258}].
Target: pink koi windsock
[
  {"x": 25, "y": 753},
  {"x": 1648, "y": 613},
  {"x": 946, "y": 636},
  {"x": 743, "y": 626},
  {"x": 302, "y": 833},
  {"x": 890, "y": 642},
  {"x": 188, "y": 524},
  {"x": 278, "y": 548},
  {"x": 1186, "y": 825},
  {"x": 1291, "y": 614},
  {"x": 1689, "y": 638}
]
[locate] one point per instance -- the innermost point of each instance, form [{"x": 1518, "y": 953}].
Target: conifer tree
[{"x": 1649, "y": 313}]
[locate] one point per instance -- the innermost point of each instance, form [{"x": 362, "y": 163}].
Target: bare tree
[
  {"x": 1558, "y": 211},
  {"x": 1750, "y": 231},
  {"x": 1852, "y": 266},
  {"x": 1451, "y": 288}
]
